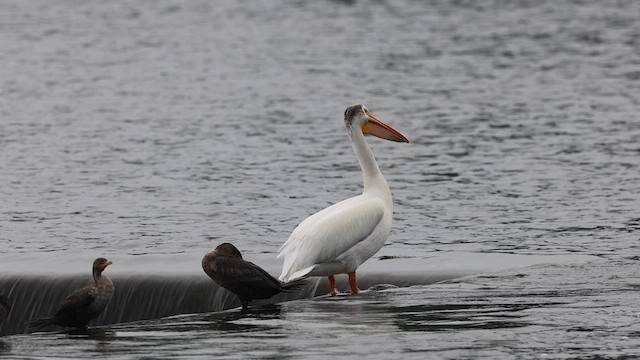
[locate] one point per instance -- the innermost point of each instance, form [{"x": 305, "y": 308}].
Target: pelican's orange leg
[
  {"x": 332, "y": 285},
  {"x": 353, "y": 283}
]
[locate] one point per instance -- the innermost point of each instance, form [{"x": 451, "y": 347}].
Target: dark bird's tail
[
  {"x": 295, "y": 286},
  {"x": 38, "y": 323}
]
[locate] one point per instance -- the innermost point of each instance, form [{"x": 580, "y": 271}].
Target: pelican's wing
[{"x": 326, "y": 235}]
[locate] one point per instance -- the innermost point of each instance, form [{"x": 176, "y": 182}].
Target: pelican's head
[{"x": 358, "y": 116}]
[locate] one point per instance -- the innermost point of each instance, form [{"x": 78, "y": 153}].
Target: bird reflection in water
[{"x": 226, "y": 320}]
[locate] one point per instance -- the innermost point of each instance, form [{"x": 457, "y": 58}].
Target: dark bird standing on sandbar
[
  {"x": 84, "y": 304},
  {"x": 5, "y": 307},
  {"x": 248, "y": 281}
]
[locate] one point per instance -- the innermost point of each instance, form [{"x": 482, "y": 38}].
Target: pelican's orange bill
[{"x": 379, "y": 129}]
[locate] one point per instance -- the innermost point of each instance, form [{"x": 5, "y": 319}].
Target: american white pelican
[{"x": 340, "y": 238}]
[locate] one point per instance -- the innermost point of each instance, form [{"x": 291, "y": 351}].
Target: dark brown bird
[
  {"x": 248, "y": 281},
  {"x": 84, "y": 304},
  {"x": 5, "y": 307}
]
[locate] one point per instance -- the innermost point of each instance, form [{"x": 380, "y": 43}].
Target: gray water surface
[{"x": 149, "y": 132}]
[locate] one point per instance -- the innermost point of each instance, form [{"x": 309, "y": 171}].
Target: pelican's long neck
[{"x": 373, "y": 179}]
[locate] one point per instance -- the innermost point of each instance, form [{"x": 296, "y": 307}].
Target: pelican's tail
[{"x": 296, "y": 275}]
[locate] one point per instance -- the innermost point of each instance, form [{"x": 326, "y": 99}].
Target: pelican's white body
[{"x": 340, "y": 238}]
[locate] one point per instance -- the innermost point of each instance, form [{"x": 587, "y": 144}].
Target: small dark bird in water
[
  {"x": 84, "y": 304},
  {"x": 5, "y": 307},
  {"x": 248, "y": 281}
]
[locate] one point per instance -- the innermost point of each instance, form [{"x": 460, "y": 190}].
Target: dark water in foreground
[
  {"x": 148, "y": 132},
  {"x": 566, "y": 311}
]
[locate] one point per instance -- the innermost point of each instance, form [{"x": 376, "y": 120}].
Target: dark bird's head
[
  {"x": 100, "y": 264},
  {"x": 358, "y": 117},
  {"x": 228, "y": 250}
]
